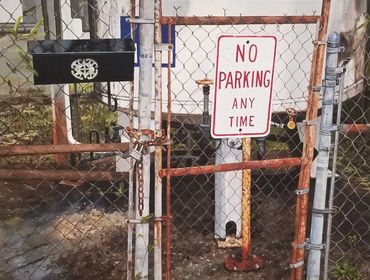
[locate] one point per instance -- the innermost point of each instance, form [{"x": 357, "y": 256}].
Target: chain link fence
[
  {"x": 350, "y": 239},
  {"x": 206, "y": 207},
  {"x": 64, "y": 216},
  {"x": 57, "y": 220}
]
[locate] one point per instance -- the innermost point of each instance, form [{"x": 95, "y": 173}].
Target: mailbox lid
[
  {"x": 81, "y": 46},
  {"x": 82, "y": 61}
]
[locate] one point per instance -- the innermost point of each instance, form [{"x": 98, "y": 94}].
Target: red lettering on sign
[
  {"x": 252, "y": 53},
  {"x": 244, "y": 79},
  {"x": 240, "y": 52},
  {"x": 241, "y": 121}
]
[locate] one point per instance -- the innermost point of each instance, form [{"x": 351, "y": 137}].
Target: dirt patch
[
  {"x": 44, "y": 237},
  {"x": 48, "y": 232}
]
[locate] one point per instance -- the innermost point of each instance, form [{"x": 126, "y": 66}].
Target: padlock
[
  {"x": 291, "y": 113},
  {"x": 291, "y": 123},
  {"x": 136, "y": 152}
]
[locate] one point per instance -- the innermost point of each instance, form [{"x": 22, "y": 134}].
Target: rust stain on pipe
[
  {"x": 221, "y": 20},
  {"x": 246, "y": 203},
  {"x": 93, "y": 176},
  {"x": 207, "y": 169},
  {"x": 19, "y": 150},
  {"x": 298, "y": 253}
]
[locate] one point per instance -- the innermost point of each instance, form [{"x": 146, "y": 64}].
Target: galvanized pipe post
[
  {"x": 131, "y": 179},
  {"x": 315, "y": 244},
  {"x": 146, "y": 31},
  {"x": 158, "y": 149},
  {"x": 332, "y": 180}
]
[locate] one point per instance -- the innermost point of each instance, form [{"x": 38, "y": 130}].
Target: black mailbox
[{"x": 82, "y": 61}]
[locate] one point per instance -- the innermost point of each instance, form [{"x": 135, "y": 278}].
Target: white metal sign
[{"x": 243, "y": 86}]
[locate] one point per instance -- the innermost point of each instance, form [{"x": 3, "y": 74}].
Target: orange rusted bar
[
  {"x": 257, "y": 164},
  {"x": 221, "y": 20},
  {"x": 246, "y": 202},
  {"x": 248, "y": 262},
  {"x": 71, "y": 175},
  {"x": 298, "y": 252},
  {"x": 353, "y": 129},
  {"x": 22, "y": 150}
]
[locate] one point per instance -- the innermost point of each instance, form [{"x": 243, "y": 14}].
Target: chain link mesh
[
  {"x": 59, "y": 228},
  {"x": 350, "y": 239},
  {"x": 76, "y": 228},
  {"x": 273, "y": 192}
]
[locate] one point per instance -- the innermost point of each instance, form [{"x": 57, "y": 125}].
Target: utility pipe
[
  {"x": 221, "y": 20},
  {"x": 208, "y": 169},
  {"x": 146, "y": 30},
  {"x": 333, "y": 178},
  {"x": 23, "y": 150}
]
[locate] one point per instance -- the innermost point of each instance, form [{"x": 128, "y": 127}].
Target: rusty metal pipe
[
  {"x": 207, "y": 169},
  {"x": 58, "y": 175},
  {"x": 298, "y": 252},
  {"x": 25, "y": 150},
  {"x": 158, "y": 149},
  {"x": 246, "y": 202},
  {"x": 354, "y": 129},
  {"x": 220, "y": 20},
  {"x": 248, "y": 262}
]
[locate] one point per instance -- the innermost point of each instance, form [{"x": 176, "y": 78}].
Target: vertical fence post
[
  {"x": 332, "y": 180},
  {"x": 158, "y": 149},
  {"x": 131, "y": 204},
  {"x": 145, "y": 92},
  {"x": 297, "y": 260},
  {"x": 326, "y": 128}
]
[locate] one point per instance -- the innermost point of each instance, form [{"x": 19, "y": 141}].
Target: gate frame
[{"x": 297, "y": 258}]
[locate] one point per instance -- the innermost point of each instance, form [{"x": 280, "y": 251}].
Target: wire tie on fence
[
  {"x": 324, "y": 211},
  {"x": 335, "y": 50},
  {"x": 329, "y": 83},
  {"x": 328, "y": 102},
  {"x": 311, "y": 122},
  {"x": 296, "y": 265},
  {"x": 318, "y": 42},
  {"x": 140, "y": 20},
  {"x": 161, "y": 47},
  {"x": 325, "y": 148},
  {"x": 334, "y": 70},
  {"x": 301, "y": 245},
  {"x": 137, "y": 221},
  {"x": 317, "y": 88},
  {"x": 310, "y": 246},
  {"x": 302, "y": 191},
  {"x": 328, "y": 129}
]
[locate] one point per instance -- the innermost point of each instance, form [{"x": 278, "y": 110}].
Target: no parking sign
[{"x": 243, "y": 86}]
